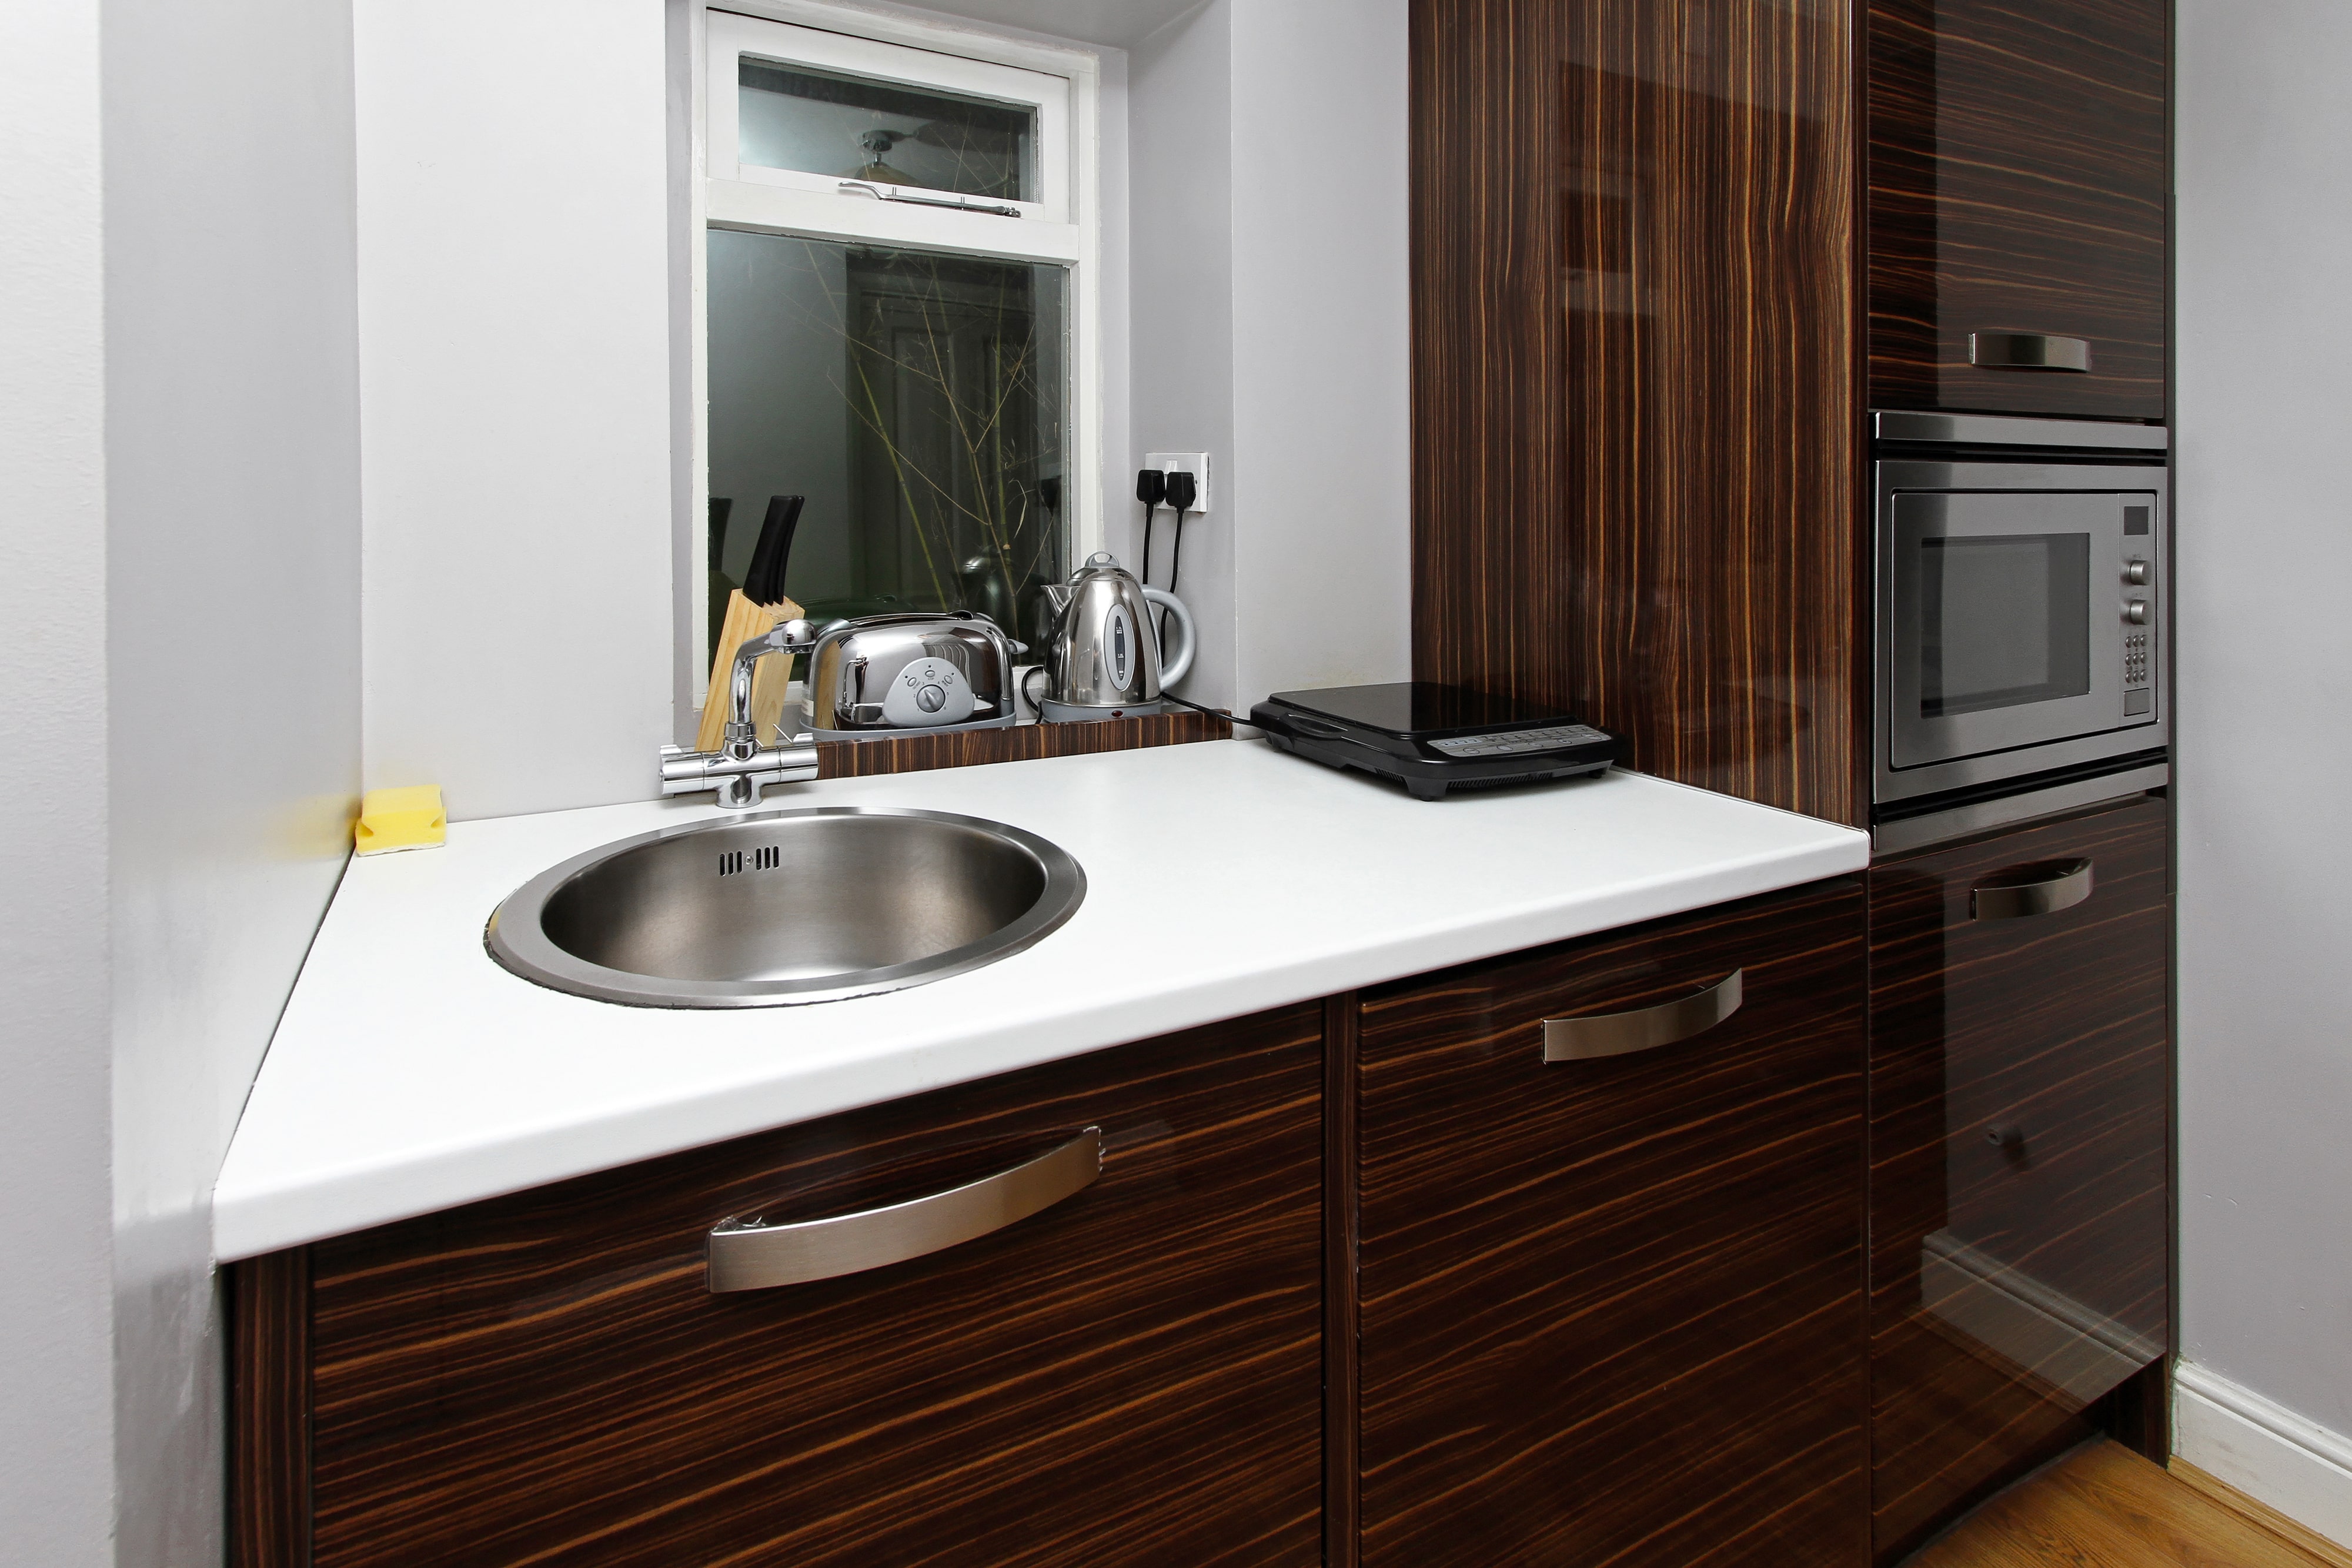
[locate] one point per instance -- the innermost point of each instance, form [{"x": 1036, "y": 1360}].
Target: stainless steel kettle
[{"x": 1104, "y": 660}]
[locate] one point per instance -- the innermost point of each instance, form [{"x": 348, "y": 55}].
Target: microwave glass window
[
  {"x": 2003, "y": 621},
  {"x": 819, "y": 123}
]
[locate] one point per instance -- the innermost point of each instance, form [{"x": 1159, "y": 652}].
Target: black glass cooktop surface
[{"x": 1419, "y": 710}]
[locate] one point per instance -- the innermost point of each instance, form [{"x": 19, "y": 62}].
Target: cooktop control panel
[{"x": 1513, "y": 743}]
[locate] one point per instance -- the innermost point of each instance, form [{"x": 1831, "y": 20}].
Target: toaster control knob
[
  {"x": 2136, "y": 571},
  {"x": 2135, "y": 612},
  {"x": 926, "y": 693}
]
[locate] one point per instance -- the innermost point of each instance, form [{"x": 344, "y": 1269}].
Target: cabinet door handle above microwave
[
  {"x": 1643, "y": 1028},
  {"x": 2028, "y": 352},
  {"x": 745, "y": 1255},
  {"x": 2064, "y": 888}
]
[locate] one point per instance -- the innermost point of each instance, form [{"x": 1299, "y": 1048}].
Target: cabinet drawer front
[
  {"x": 1128, "y": 1375},
  {"x": 2018, "y": 188},
  {"x": 2020, "y": 1093},
  {"x": 1612, "y": 1307}
]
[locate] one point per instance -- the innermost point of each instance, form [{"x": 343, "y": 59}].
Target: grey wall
[
  {"x": 232, "y": 653},
  {"x": 1181, "y": 250},
  {"x": 178, "y": 692},
  {"x": 514, "y": 328},
  {"x": 1270, "y": 317},
  {"x": 56, "y": 1436},
  {"x": 2265, "y": 376},
  {"x": 1322, "y": 354}
]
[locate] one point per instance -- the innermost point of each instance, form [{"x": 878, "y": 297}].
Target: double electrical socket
[{"x": 1196, "y": 464}]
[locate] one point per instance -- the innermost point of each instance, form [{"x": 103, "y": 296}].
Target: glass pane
[
  {"x": 820, "y": 122},
  {"x": 2004, "y": 620},
  {"x": 917, "y": 399}
]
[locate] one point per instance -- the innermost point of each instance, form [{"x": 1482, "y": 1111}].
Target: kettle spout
[{"x": 1057, "y": 594}]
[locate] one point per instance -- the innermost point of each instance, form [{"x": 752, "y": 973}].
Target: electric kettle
[{"x": 1104, "y": 660}]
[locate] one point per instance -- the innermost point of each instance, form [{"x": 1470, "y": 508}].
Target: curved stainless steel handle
[
  {"x": 745, "y": 1255},
  {"x": 2028, "y": 352},
  {"x": 1643, "y": 1028},
  {"x": 2063, "y": 889}
]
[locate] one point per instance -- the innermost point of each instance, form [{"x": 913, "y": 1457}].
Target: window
[{"x": 897, "y": 301}]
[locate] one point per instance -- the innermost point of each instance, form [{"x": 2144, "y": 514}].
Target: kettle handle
[{"x": 1171, "y": 672}]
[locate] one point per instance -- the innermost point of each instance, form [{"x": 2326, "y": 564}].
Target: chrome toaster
[{"x": 882, "y": 674}]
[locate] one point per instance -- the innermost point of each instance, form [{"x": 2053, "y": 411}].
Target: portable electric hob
[{"x": 1432, "y": 737}]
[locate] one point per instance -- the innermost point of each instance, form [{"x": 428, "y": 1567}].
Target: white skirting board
[{"x": 2264, "y": 1449}]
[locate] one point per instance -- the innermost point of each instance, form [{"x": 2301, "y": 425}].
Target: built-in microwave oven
[{"x": 2021, "y": 607}]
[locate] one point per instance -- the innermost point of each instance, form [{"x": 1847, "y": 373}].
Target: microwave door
[{"x": 2006, "y": 630}]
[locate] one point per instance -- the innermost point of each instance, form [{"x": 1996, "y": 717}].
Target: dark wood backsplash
[
  {"x": 2018, "y": 184},
  {"x": 916, "y": 751},
  {"x": 1636, "y": 344}
]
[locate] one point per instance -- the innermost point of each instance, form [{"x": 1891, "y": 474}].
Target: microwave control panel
[{"x": 2138, "y": 611}]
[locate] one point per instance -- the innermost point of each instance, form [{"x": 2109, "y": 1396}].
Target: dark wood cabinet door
[
  {"x": 2017, "y": 185},
  {"x": 1612, "y": 1309},
  {"x": 1131, "y": 1376},
  {"x": 2019, "y": 1102}
]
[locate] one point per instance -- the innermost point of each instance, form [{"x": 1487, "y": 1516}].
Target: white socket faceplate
[{"x": 1194, "y": 462}]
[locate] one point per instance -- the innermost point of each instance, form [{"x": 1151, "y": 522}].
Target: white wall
[
  {"x": 56, "y": 1493},
  {"x": 2265, "y": 309},
  {"x": 515, "y": 399},
  {"x": 231, "y": 655}
]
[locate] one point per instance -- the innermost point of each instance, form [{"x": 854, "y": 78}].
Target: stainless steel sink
[{"x": 780, "y": 907}]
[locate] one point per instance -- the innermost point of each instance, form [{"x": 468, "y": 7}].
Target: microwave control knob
[
  {"x": 2136, "y": 571},
  {"x": 2135, "y": 612}
]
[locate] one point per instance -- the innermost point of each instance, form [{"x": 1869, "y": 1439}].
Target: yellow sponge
[{"x": 410, "y": 818}]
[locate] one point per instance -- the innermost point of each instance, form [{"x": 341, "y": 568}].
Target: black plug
[
  {"x": 1150, "y": 489},
  {"x": 1179, "y": 489}
]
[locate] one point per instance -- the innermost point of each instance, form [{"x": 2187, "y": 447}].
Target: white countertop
[{"x": 411, "y": 1072}]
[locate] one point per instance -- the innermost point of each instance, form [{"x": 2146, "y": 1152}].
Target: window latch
[{"x": 892, "y": 193}]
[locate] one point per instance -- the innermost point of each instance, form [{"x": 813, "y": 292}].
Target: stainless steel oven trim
[
  {"x": 1892, "y": 783},
  {"x": 1981, "y": 816},
  {"x": 1998, "y": 430}
]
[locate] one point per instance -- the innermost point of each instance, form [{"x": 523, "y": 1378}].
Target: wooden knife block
[{"x": 744, "y": 622}]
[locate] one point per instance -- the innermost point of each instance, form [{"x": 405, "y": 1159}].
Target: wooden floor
[{"x": 2103, "y": 1506}]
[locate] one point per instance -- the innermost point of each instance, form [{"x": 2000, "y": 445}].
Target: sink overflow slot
[{"x": 768, "y": 857}]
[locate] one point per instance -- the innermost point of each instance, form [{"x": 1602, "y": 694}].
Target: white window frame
[{"x": 1064, "y": 228}]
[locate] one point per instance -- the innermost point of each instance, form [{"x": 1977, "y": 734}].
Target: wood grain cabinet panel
[
  {"x": 2018, "y": 184},
  {"x": 1612, "y": 1309},
  {"x": 1131, "y": 1376},
  {"x": 1635, "y": 352},
  {"x": 2020, "y": 1213}
]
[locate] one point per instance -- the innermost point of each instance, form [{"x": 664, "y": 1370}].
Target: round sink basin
[{"x": 777, "y": 907}]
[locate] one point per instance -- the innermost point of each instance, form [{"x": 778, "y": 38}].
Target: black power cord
[
  {"x": 1182, "y": 492},
  {"x": 1150, "y": 489}
]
